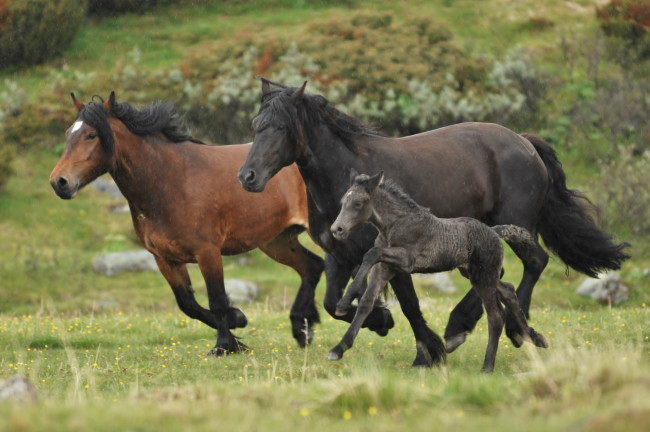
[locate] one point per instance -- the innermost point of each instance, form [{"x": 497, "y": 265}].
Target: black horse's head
[{"x": 278, "y": 136}]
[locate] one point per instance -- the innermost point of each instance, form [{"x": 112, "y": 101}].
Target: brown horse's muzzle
[{"x": 63, "y": 187}]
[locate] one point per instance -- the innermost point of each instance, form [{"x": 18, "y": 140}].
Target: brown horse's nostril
[{"x": 61, "y": 182}]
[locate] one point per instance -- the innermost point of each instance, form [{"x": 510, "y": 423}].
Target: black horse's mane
[
  {"x": 311, "y": 112},
  {"x": 150, "y": 120}
]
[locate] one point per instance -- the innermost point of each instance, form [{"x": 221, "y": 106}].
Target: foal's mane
[
  {"x": 398, "y": 196},
  {"x": 311, "y": 112},
  {"x": 159, "y": 118}
]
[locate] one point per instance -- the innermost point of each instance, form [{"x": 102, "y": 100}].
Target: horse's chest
[{"x": 159, "y": 240}]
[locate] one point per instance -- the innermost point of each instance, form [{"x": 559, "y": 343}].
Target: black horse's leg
[
  {"x": 286, "y": 249},
  {"x": 430, "y": 348},
  {"x": 379, "y": 275},
  {"x": 226, "y": 317},
  {"x": 337, "y": 273},
  {"x": 463, "y": 319}
]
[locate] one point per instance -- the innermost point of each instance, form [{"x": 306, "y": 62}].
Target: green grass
[{"x": 115, "y": 353}]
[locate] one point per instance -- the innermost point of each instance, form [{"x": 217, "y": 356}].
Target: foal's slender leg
[
  {"x": 287, "y": 250},
  {"x": 227, "y": 317},
  {"x": 379, "y": 275},
  {"x": 509, "y": 298},
  {"x": 337, "y": 275},
  {"x": 494, "y": 312}
]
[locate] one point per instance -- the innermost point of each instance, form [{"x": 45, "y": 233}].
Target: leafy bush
[
  {"x": 10, "y": 100},
  {"x": 624, "y": 192},
  {"x": 114, "y": 7},
  {"x": 32, "y": 31},
  {"x": 628, "y": 20}
]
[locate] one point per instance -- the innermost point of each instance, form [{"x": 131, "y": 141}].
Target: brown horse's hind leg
[{"x": 287, "y": 250}]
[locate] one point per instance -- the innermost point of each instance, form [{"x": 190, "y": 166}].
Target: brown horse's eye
[{"x": 91, "y": 136}]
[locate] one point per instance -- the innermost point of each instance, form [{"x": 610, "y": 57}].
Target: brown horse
[{"x": 187, "y": 206}]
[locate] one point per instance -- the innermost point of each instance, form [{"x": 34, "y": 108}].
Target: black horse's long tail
[{"x": 566, "y": 224}]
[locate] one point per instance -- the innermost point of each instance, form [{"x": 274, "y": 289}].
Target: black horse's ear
[
  {"x": 77, "y": 103},
  {"x": 110, "y": 103},
  {"x": 374, "y": 181},
  {"x": 266, "y": 86},
  {"x": 353, "y": 175},
  {"x": 298, "y": 94}
]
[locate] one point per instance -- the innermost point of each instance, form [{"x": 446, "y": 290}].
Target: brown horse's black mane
[
  {"x": 155, "y": 119},
  {"x": 311, "y": 112}
]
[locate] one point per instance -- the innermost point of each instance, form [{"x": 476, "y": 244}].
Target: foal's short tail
[
  {"x": 516, "y": 236},
  {"x": 566, "y": 224}
]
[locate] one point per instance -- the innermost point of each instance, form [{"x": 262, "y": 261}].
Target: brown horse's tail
[{"x": 566, "y": 223}]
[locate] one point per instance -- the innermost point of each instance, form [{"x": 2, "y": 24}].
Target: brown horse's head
[{"x": 88, "y": 151}]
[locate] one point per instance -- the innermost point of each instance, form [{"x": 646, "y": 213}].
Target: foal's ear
[
  {"x": 375, "y": 181},
  {"x": 299, "y": 93},
  {"x": 77, "y": 103},
  {"x": 110, "y": 103},
  {"x": 353, "y": 175}
]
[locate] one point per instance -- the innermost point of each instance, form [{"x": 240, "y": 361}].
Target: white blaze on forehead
[{"x": 77, "y": 125}]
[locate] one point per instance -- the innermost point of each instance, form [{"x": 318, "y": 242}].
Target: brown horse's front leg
[
  {"x": 179, "y": 280},
  {"x": 227, "y": 317}
]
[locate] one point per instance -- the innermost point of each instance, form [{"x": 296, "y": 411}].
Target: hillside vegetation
[{"x": 110, "y": 353}]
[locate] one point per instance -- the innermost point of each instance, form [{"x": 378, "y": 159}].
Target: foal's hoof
[
  {"x": 340, "y": 311},
  {"x": 236, "y": 318},
  {"x": 335, "y": 354},
  {"x": 537, "y": 338},
  {"x": 454, "y": 342}
]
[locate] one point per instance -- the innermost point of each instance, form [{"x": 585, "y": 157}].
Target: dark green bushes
[
  {"x": 629, "y": 21},
  {"x": 32, "y": 31}
]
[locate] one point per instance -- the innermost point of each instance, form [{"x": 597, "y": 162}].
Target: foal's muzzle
[{"x": 339, "y": 232}]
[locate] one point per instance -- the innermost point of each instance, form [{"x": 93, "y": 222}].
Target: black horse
[
  {"x": 479, "y": 170},
  {"x": 411, "y": 239}
]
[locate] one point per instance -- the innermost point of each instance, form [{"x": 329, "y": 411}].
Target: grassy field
[{"x": 115, "y": 353}]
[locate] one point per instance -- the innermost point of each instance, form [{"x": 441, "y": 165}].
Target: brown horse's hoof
[
  {"x": 236, "y": 318},
  {"x": 454, "y": 342}
]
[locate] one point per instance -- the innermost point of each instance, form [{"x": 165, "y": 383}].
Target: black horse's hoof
[
  {"x": 222, "y": 349},
  {"x": 236, "y": 318},
  {"x": 335, "y": 354},
  {"x": 304, "y": 337},
  {"x": 453, "y": 342},
  {"x": 387, "y": 323},
  {"x": 517, "y": 339}
]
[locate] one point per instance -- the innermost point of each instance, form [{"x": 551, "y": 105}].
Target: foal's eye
[{"x": 358, "y": 205}]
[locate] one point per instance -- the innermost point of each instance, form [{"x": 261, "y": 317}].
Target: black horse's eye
[{"x": 280, "y": 127}]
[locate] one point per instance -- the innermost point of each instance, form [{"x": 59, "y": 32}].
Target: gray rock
[
  {"x": 607, "y": 288},
  {"x": 240, "y": 291},
  {"x": 436, "y": 281},
  {"x": 107, "y": 185},
  {"x": 117, "y": 262},
  {"x": 19, "y": 389}
]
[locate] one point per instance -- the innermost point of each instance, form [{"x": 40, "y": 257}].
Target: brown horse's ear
[
  {"x": 298, "y": 94},
  {"x": 77, "y": 103},
  {"x": 110, "y": 103},
  {"x": 266, "y": 86}
]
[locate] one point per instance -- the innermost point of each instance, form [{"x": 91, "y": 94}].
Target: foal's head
[{"x": 356, "y": 204}]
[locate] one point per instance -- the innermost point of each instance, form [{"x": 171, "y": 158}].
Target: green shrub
[
  {"x": 115, "y": 7},
  {"x": 628, "y": 20},
  {"x": 32, "y": 31}
]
